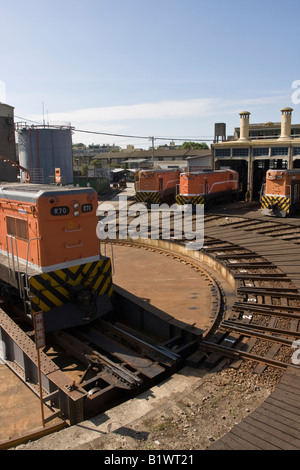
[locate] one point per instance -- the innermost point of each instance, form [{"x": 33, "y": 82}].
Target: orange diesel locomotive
[
  {"x": 49, "y": 254},
  {"x": 199, "y": 187},
  {"x": 281, "y": 193},
  {"x": 157, "y": 186}
]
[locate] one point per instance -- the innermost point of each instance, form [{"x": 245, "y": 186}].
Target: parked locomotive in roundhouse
[
  {"x": 203, "y": 186},
  {"x": 157, "y": 186},
  {"x": 49, "y": 254},
  {"x": 280, "y": 195}
]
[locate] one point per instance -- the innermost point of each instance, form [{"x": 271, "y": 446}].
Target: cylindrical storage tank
[{"x": 43, "y": 149}]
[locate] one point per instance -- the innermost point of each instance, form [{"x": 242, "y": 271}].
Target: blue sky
[{"x": 165, "y": 68}]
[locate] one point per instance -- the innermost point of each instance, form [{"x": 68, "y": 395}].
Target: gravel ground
[{"x": 198, "y": 417}]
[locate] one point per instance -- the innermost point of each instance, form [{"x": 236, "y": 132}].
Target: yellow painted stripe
[
  {"x": 110, "y": 292},
  {"x": 100, "y": 278},
  {"x": 53, "y": 291},
  {"x": 36, "y": 300}
]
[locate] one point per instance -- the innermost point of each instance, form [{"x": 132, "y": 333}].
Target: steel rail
[
  {"x": 238, "y": 353},
  {"x": 256, "y": 330},
  {"x": 286, "y": 311}
]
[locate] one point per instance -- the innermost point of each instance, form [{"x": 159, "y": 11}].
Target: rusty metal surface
[
  {"x": 25, "y": 343},
  {"x": 165, "y": 283}
]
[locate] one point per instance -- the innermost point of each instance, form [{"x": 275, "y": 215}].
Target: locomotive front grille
[
  {"x": 56, "y": 288},
  {"x": 144, "y": 196},
  {"x": 182, "y": 200},
  {"x": 281, "y": 203}
]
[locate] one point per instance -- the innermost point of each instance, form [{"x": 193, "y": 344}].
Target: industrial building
[
  {"x": 134, "y": 159},
  {"x": 7, "y": 143},
  {"x": 255, "y": 148}
]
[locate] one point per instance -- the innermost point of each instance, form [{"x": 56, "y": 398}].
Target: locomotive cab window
[{"x": 17, "y": 227}]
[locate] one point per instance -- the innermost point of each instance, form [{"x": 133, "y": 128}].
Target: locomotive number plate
[
  {"x": 60, "y": 210},
  {"x": 86, "y": 207}
]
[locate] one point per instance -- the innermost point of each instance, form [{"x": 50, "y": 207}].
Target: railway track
[
  {"x": 259, "y": 328},
  {"x": 91, "y": 368},
  {"x": 279, "y": 230},
  {"x": 263, "y": 323}
]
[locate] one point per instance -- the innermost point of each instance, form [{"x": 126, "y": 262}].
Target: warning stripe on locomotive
[
  {"x": 142, "y": 196},
  {"x": 282, "y": 203},
  {"x": 53, "y": 289},
  {"x": 189, "y": 200}
]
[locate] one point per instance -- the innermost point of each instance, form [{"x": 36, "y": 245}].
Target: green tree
[
  {"x": 194, "y": 145},
  {"x": 84, "y": 170},
  {"x": 96, "y": 163}
]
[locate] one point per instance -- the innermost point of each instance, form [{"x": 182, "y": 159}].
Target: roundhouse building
[{"x": 255, "y": 148}]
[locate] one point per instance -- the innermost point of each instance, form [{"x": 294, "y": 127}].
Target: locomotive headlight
[
  {"x": 76, "y": 213},
  {"x": 76, "y": 205}
]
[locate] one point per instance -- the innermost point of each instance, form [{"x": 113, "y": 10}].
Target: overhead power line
[{"x": 123, "y": 135}]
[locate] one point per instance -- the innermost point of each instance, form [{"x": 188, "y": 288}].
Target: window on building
[
  {"x": 279, "y": 151},
  {"x": 222, "y": 152},
  {"x": 242, "y": 152},
  {"x": 261, "y": 152},
  {"x": 278, "y": 164},
  {"x": 296, "y": 151}
]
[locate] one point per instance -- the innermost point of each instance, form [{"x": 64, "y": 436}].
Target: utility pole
[{"x": 152, "y": 138}]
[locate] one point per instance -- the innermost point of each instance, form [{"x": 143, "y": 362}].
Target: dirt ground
[{"x": 197, "y": 417}]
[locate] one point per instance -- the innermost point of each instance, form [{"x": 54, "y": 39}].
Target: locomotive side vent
[{"x": 17, "y": 227}]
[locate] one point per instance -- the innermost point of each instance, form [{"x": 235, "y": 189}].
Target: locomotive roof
[
  {"x": 296, "y": 170},
  {"x": 28, "y": 192},
  {"x": 159, "y": 170},
  {"x": 206, "y": 171}
]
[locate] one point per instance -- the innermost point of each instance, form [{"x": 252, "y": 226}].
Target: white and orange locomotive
[{"x": 49, "y": 253}]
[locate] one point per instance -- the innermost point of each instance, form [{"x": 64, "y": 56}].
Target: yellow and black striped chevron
[
  {"x": 143, "y": 196},
  {"x": 53, "y": 289},
  {"x": 189, "y": 200},
  {"x": 282, "y": 203}
]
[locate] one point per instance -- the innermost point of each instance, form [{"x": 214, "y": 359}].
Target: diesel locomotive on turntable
[{"x": 50, "y": 256}]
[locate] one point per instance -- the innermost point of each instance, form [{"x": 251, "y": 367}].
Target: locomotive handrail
[
  {"x": 112, "y": 250},
  {"x": 27, "y": 256},
  {"x": 220, "y": 182},
  {"x": 13, "y": 260},
  {"x": 75, "y": 230},
  {"x": 73, "y": 246}
]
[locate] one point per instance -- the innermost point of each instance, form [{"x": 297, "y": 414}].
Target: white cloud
[
  {"x": 204, "y": 111},
  {"x": 159, "y": 110},
  {"x": 193, "y": 108}
]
